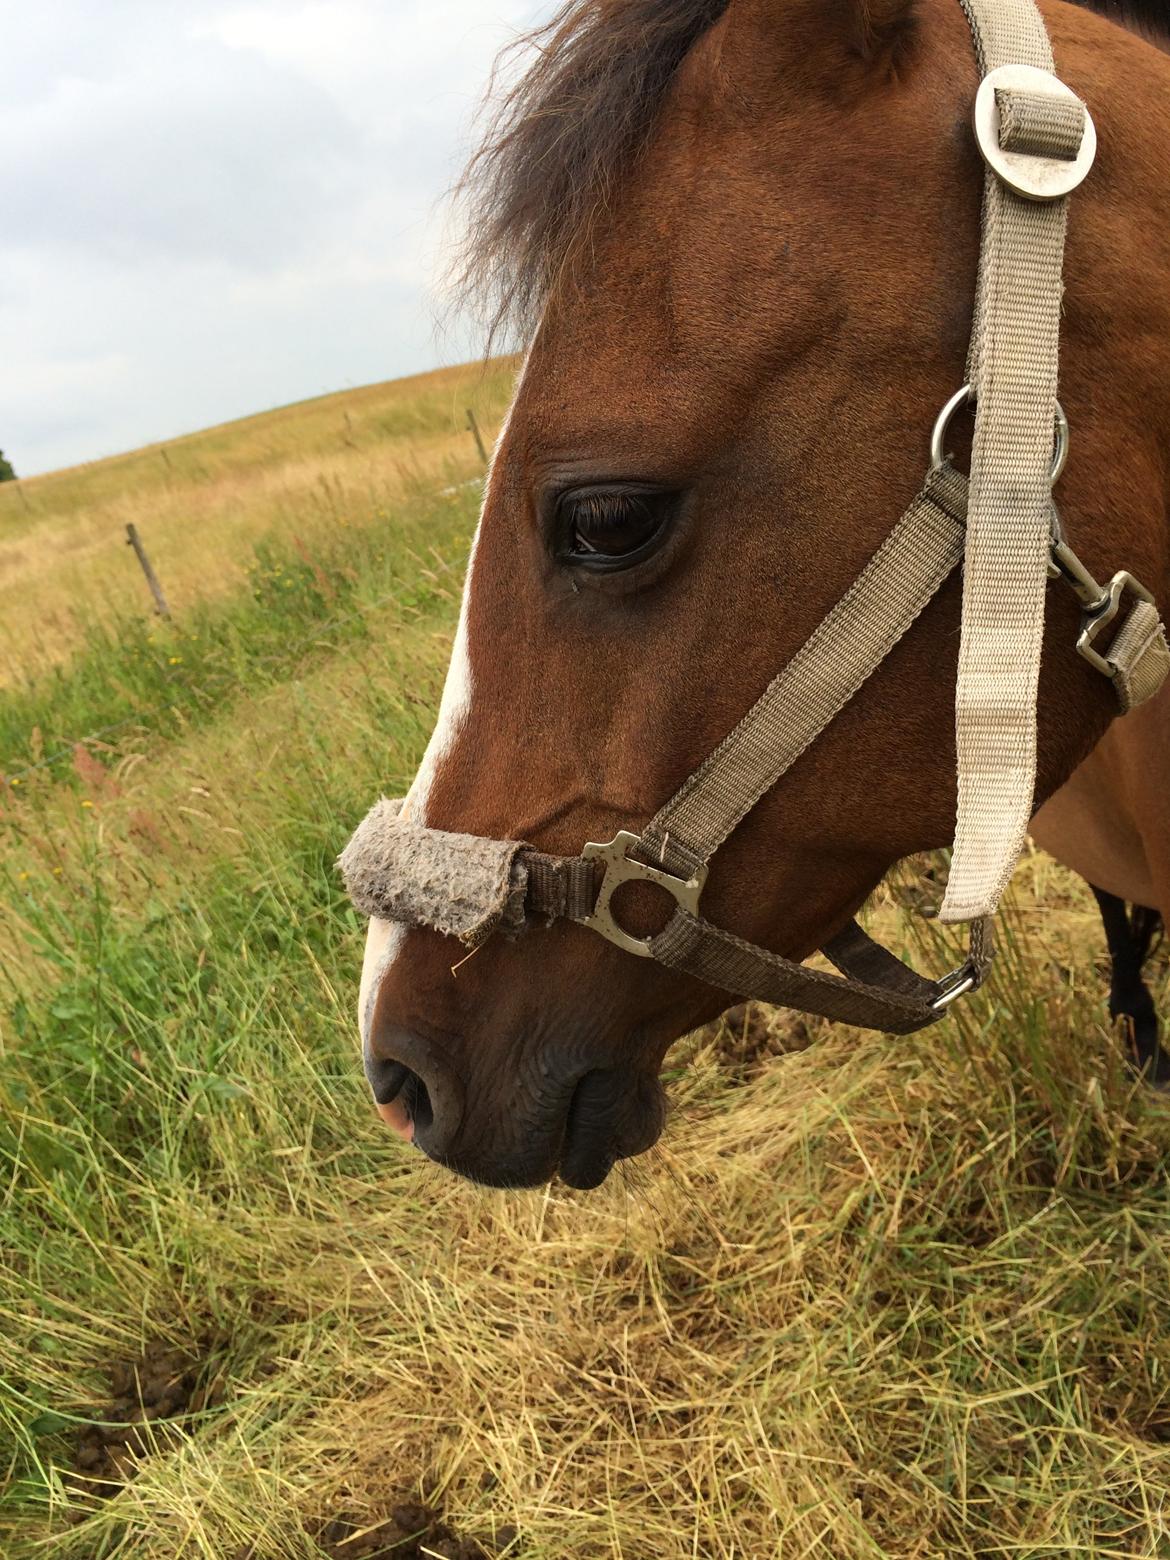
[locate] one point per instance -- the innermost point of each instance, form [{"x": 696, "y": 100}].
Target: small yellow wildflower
[
  {"x": 174, "y": 660},
  {"x": 87, "y": 804},
  {"x": 24, "y": 877}
]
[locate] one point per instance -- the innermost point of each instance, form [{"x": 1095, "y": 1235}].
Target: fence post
[
  {"x": 479, "y": 444},
  {"x": 134, "y": 540}
]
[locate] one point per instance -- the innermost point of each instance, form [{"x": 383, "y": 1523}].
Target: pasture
[{"x": 870, "y": 1298}]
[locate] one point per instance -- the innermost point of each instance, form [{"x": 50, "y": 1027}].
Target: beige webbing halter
[
  {"x": 1035, "y": 132},
  {"x": 1038, "y": 141}
]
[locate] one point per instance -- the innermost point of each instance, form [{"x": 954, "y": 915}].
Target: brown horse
[{"x": 745, "y": 234}]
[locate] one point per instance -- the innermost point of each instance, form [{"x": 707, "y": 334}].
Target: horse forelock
[{"x": 559, "y": 138}]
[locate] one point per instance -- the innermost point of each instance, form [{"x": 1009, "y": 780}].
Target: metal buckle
[
  {"x": 966, "y": 397},
  {"x": 959, "y": 983},
  {"x": 1033, "y": 177},
  {"x": 1102, "y": 603},
  {"x": 621, "y": 868},
  {"x": 1095, "y": 622}
]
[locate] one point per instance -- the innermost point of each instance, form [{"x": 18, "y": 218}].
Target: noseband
[{"x": 1039, "y": 142}]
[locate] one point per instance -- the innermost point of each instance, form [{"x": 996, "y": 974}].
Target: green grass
[
  {"x": 872, "y": 1298},
  {"x": 202, "y": 503},
  {"x": 159, "y": 679}
]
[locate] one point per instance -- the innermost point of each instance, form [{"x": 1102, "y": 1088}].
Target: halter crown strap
[{"x": 1012, "y": 369}]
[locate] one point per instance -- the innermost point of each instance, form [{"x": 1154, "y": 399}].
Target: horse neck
[{"x": 1116, "y": 357}]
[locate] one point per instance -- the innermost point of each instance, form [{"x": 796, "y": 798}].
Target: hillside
[
  {"x": 202, "y": 502},
  {"x": 871, "y": 1299}
]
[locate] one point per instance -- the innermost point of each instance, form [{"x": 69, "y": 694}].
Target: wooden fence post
[
  {"x": 134, "y": 540},
  {"x": 479, "y": 444}
]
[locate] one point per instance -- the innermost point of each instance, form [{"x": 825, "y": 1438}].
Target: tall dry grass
[
  {"x": 871, "y": 1297},
  {"x": 201, "y": 503}
]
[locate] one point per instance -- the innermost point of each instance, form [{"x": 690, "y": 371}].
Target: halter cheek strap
[{"x": 1038, "y": 142}]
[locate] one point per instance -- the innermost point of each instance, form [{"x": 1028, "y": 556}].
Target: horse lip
[
  {"x": 611, "y": 1116},
  {"x": 585, "y": 1164}
]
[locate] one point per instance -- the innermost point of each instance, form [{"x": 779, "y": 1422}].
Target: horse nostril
[
  {"x": 418, "y": 1102},
  {"x": 411, "y": 1073},
  {"x": 394, "y": 1081},
  {"x": 387, "y": 1079},
  {"x": 390, "y": 1080}
]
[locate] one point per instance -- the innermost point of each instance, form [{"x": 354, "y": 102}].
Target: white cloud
[{"x": 211, "y": 208}]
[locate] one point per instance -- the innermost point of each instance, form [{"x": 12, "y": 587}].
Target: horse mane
[
  {"x": 1149, "y": 18},
  {"x": 559, "y": 138}
]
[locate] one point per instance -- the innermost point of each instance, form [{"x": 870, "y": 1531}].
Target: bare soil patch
[
  {"x": 411, "y": 1531},
  {"x": 748, "y": 1036},
  {"x": 151, "y": 1397}
]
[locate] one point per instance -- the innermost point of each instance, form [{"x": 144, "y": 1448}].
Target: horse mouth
[
  {"x": 609, "y": 1118},
  {"x": 611, "y": 1115}
]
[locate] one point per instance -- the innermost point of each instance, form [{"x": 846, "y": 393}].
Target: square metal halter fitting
[
  {"x": 959, "y": 983},
  {"x": 1030, "y": 174},
  {"x": 1098, "y": 619},
  {"x": 621, "y": 868}
]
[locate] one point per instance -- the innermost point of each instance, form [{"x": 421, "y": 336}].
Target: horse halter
[{"x": 1038, "y": 142}]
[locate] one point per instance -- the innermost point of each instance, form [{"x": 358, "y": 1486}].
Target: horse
[{"x": 740, "y": 239}]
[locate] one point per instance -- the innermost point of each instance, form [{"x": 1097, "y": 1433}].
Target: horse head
[{"x": 745, "y": 234}]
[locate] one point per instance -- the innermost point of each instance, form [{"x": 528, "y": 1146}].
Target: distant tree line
[{"x": 6, "y": 472}]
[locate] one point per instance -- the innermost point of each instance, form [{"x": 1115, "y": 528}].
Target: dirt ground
[
  {"x": 412, "y": 1531},
  {"x": 149, "y": 1399},
  {"x": 152, "y": 1400}
]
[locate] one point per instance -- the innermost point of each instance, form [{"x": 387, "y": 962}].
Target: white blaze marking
[
  {"x": 384, "y": 939},
  {"x": 453, "y": 706}
]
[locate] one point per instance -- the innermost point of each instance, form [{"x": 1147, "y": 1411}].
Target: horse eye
[{"x": 610, "y": 528}]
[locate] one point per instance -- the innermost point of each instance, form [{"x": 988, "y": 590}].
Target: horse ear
[{"x": 838, "y": 40}]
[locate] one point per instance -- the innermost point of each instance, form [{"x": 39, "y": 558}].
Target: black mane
[
  {"x": 1151, "y": 17},
  {"x": 559, "y": 139}
]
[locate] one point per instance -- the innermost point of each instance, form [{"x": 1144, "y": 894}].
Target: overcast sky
[{"x": 209, "y": 208}]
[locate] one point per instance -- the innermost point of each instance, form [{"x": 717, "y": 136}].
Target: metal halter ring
[
  {"x": 966, "y": 397},
  {"x": 621, "y": 868}
]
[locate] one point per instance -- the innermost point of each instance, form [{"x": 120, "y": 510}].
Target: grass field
[
  {"x": 202, "y": 502},
  {"x": 871, "y": 1298}
]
